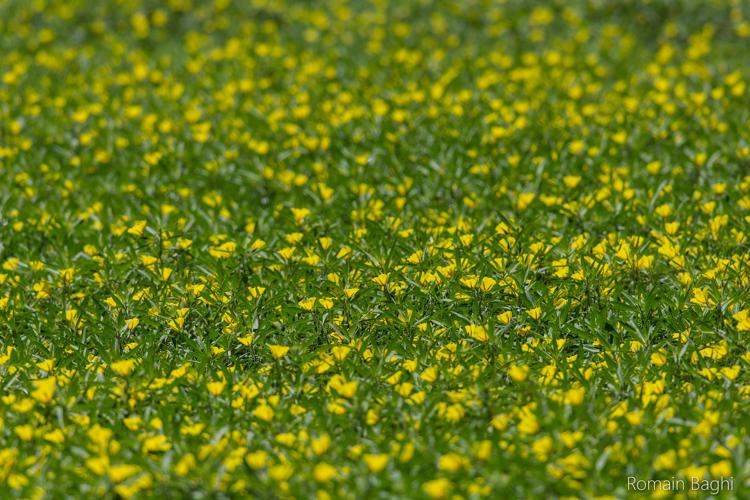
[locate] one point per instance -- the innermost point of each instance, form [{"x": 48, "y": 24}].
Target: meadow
[{"x": 374, "y": 249}]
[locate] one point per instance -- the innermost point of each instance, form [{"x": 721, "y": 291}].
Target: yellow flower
[
  {"x": 505, "y": 317},
  {"x": 264, "y": 412},
  {"x": 119, "y": 473},
  {"x": 634, "y": 417},
  {"x": 24, "y": 432},
  {"x": 137, "y": 228},
  {"x": 466, "y": 239},
  {"x": 701, "y": 297},
  {"x": 487, "y": 284},
  {"x": 321, "y": 444},
  {"x": 324, "y": 472},
  {"x": 721, "y": 469},
  {"x": 56, "y": 436},
  {"x": 156, "y": 444},
  {"x": 11, "y": 264},
  {"x": 535, "y": 313},
  {"x": 223, "y": 251},
  {"x": 100, "y": 436},
  {"x": 437, "y": 488},
  {"x": 569, "y": 439},
  {"x": 123, "y": 367},
  {"x": 67, "y": 275},
  {"x": 257, "y": 459},
  {"x": 571, "y": 181},
  {"x": 541, "y": 447},
  {"x": 743, "y": 320},
  {"x": 528, "y": 423},
  {"x": 192, "y": 429},
  {"x": 287, "y": 253},
  {"x": 278, "y": 351},
  {"x": 246, "y": 340},
  {"x": 346, "y": 389},
  {"x": 381, "y": 279},
  {"x": 216, "y": 388},
  {"x": 340, "y": 352},
  {"x": 574, "y": 396},
  {"x": 326, "y": 303},
  {"x": 98, "y": 465},
  {"x": 300, "y": 214},
  {"x": 71, "y": 315},
  {"x": 477, "y": 332},
  {"x": 375, "y": 462},
  {"x": 325, "y": 242},
  {"x": 658, "y": 359},
  {"x": 518, "y": 372},
  {"x": 44, "y": 390},
  {"x": 644, "y": 262},
  {"x": 257, "y": 245},
  {"x": 450, "y": 462},
  {"x": 307, "y": 304},
  {"x": 47, "y": 365},
  {"x": 281, "y": 472},
  {"x": 524, "y": 200},
  {"x": 133, "y": 423},
  {"x": 429, "y": 374}
]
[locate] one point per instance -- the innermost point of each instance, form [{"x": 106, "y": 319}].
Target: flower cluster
[{"x": 455, "y": 249}]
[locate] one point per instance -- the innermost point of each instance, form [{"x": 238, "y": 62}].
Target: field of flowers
[{"x": 374, "y": 249}]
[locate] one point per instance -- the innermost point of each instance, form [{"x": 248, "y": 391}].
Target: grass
[{"x": 373, "y": 249}]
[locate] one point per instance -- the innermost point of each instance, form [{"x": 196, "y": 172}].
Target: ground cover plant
[{"x": 373, "y": 249}]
